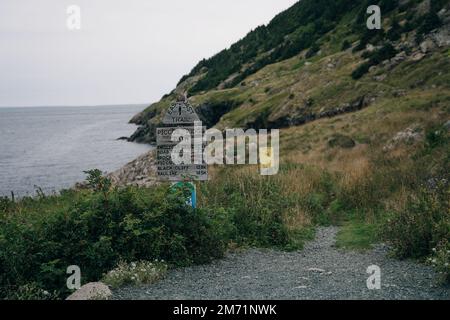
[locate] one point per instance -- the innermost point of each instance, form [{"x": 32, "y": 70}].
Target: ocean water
[{"x": 50, "y": 147}]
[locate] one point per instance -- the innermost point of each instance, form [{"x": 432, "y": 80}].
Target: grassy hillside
[{"x": 323, "y": 76}]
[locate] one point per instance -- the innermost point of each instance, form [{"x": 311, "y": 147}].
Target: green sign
[{"x": 192, "y": 200}]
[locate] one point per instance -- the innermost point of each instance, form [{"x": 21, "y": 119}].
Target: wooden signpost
[{"x": 180, "y": 115}]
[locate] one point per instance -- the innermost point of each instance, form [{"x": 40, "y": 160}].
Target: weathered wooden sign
[
  {"x": 180, "y": 115},
  {"x": 164, "y": 135}
]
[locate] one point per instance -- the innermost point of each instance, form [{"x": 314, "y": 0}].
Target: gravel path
[{"x": 320, "y": 271}]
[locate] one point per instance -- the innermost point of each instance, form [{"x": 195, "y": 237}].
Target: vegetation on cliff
[{"x": 311, "y": 60}]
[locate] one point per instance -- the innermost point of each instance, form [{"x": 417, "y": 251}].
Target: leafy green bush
[
  {"x": 369, "y": 37},
  {"x": 360, "y": 71},
  {"x": 375, "y": 58},
  {"x": 5, "y": 204},
  {"x": 436, "y": 137},
  {"x": 100, "y": 227},
  {"x": 97, "y": 182},
  {"x": 384, "y": 53},
  {"x": 395, "y": 31},
  {"x": 39, "y": 241},
  {"x": 430, "y": 22},
  {"x": 135, "y": 273},
  {"x": 440, "y": 260},
  {"x": 345, "y": 45},
  {"x": 31, "y": 291}
]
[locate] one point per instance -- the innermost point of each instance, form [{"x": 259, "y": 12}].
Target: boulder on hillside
[
  {"x": 441, "y": 37},
  {"x": 380, "y": 77},
  {"x": 417, "y": 56},
  {"x": 341, "y": 141},
  {"x": 410, "y": 136},
  {"x": 423, "y": 8},
  {"x": 427, "y": 46}
]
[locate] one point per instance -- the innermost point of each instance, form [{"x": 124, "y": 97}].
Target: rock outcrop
[
  {"x": 139, "y": 172},
  {"x": 341, "y": 141},
  {"x": 91, "y": 291},
  {"x": 409, "y": 136}
]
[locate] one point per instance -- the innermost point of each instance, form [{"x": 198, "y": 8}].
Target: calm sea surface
[{"x": 50, "y": 147}]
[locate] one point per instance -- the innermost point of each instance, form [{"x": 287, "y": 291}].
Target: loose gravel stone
[{"x": 319, "y": 271}]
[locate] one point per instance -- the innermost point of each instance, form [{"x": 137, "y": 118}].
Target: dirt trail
[{"x": 320, "y": 271}]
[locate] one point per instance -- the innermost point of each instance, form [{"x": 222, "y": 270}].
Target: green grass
[
  {"x": 357, "y": 235},
  {"x": 299, "y": 237}
]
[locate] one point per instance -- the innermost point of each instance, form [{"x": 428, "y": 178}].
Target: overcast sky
[{"x": 127, "y": 51}]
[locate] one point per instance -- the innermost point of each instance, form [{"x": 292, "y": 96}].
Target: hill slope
[{"x": 315, "y": 60}]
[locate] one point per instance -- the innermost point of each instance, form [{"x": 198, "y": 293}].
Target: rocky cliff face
[{"x": 140, "y": 172}]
